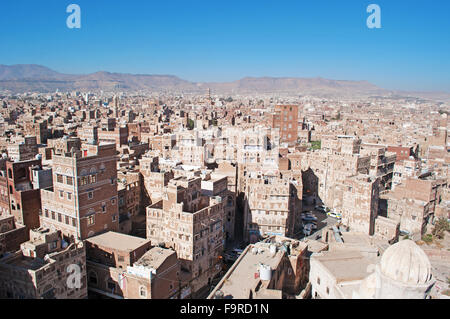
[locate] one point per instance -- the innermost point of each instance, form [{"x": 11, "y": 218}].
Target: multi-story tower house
[
  {"x": 24, "y": 150},
  {"x": 192, "y": 225},
  {"x": 360, "y": 203},
  {"x": 83, "y": 201},
  {"x": 154, "y": 179},
  {"x": 285, "y": 118},
  {"x": 19, "y": 184},
  {"x": 381, "y": 163},
  {"x": 269, "y": 208},
  {"x": 217, "y": 185},
  {"x": 189, "y": 149}
]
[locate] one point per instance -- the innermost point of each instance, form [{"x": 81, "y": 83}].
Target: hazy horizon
[{"x": 223, "y": 42}]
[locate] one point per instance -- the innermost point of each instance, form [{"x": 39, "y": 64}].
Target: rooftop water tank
[{"x": 265, "y": 272}]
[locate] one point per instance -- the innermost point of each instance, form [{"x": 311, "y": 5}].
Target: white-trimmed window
[{"x": 91, "y": 220}]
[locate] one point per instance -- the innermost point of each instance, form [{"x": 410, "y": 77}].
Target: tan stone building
[
  {"x": 192, "y": 225},
  {"x": 360, "y": 203},
  {"x": 269, "y": 208},
  {"x": 413, "y": 203}
]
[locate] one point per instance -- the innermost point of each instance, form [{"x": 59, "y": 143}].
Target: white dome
[{"x": 407, "y": 263}]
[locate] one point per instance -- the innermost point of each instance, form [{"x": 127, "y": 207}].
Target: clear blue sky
[{"x": 225, "y": 40}]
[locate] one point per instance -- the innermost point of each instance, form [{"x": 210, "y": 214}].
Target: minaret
[{"x": 209, "y": 97}]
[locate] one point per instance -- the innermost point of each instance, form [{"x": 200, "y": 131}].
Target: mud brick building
[
  {"x": 42, "y": 268},
  {"x": 285, "y": 118},
  {"x": 83, "y": 200},
  {"x": 413, "y": 203},
  {"x": 360, "y": 203},
  {"x": 23, "y": 151},
  {"x": 22, "y": 192},
  {"x": 126, "y": 267},
  {"x": 269, "y": 209},
  {"x": 192, "y": 225},
  {"x": 12, "y": 235}
]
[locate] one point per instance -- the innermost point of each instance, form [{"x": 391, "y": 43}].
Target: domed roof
[{"x": 407, "y": 263}]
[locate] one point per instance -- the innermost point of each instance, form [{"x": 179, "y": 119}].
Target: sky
[{"x": 211, "y": 40}]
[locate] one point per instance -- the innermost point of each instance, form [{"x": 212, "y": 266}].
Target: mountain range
[{"x": 36, "y": 78}]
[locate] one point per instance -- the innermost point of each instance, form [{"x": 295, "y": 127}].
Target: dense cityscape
[
  {"x": 224, "y": 158},
  {"x": 180, "y": 196}
]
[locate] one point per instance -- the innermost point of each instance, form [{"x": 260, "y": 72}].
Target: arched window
[{"x": 10, "y": 173}]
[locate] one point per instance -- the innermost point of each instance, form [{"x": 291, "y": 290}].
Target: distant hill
[
  {"x": 27, "y": 71},
  {"x": 36, "y": 78}
]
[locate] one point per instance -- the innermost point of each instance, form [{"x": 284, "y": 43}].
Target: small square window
[{"x": 91, "y": 220}]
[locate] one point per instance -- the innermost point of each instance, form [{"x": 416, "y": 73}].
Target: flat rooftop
[
  {"x": 345, "y": 265},
  {"x": 154, "y": 258},
  {"x": 118, "y": 241},
  {"x": 25, "y": 262},
  {"x": 238, "y": 283}
]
